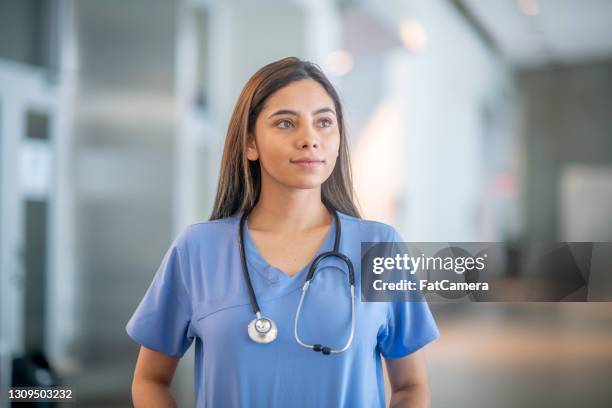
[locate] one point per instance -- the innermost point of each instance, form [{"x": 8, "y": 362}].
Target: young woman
[{"x": 234, "y": 283}]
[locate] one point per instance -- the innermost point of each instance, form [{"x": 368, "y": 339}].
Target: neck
[{"x": 293, "y": 212}]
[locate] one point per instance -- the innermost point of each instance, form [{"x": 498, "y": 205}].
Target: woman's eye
[
  {"x": 284, "y": 124},
  {"x": 326, "y": 123}
]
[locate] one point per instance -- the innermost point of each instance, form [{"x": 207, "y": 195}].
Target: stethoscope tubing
[{"x": 253, "y": 298}]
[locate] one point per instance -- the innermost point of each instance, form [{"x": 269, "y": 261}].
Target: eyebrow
[{"x": 292, "y": 112}]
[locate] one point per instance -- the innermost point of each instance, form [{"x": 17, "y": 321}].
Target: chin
[{"x": 306, "y": 183}]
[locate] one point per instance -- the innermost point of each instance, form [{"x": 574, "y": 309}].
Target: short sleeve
[
  {"x": 410, "y": 325},
  {"x": 161, "y": 321}
]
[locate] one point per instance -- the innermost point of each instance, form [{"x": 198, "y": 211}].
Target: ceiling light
[
  {"x": 339, "y": 62},
  {"x": 413, "y": 35}
]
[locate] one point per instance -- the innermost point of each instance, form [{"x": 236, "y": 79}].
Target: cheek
[
  {"x": 333, "y": 147},
  {"x": 272, "y": 155}
]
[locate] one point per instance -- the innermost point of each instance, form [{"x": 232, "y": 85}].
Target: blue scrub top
[{"x": 199, "y": 293}]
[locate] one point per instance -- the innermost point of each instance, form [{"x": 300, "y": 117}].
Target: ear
[{"x": 252, "y": 153}]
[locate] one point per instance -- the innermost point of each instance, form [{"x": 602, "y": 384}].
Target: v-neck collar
[{"x": 258, "y": 264}]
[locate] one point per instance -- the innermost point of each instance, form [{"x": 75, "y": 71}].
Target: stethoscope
[{"x": 263, "y": 329}]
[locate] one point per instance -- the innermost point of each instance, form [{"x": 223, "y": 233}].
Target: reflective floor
[{"x": 522, "y": 355}]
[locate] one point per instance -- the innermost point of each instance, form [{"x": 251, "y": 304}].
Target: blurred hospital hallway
[{"x": 469, "y": 120}]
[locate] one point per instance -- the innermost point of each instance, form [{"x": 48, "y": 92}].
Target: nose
[{"x": 308, "y": 139}]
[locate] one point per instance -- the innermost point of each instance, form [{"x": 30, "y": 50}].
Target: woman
[{"x": 284, "y": 182}]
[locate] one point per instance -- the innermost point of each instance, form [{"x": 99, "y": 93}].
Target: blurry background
[{"x": 470, "y": 120}]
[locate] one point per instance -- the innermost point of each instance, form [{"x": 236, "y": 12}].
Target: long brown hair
[{"x": 240, "y": 179}]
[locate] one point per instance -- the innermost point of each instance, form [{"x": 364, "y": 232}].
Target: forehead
[{"x": 304, "y": 96}]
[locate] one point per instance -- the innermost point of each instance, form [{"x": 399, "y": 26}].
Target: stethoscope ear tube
[
  {"x": 319, "y": 347},
  {"x": 324, "y": 255}
]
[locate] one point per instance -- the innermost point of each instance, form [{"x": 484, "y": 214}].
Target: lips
[
  {"x": 308, "y": 160},
  {"x": 308, "y": 163}
]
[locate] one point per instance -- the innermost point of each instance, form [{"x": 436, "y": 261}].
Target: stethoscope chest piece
[{"x": 262, "y": 330}]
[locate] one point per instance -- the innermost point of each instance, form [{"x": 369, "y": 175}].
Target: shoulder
[
  {"x": 209, "y": 232},
  {"x": 369, "y": 230}
]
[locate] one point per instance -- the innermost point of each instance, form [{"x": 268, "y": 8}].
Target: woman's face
[{"x": 297, "y": 136}]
